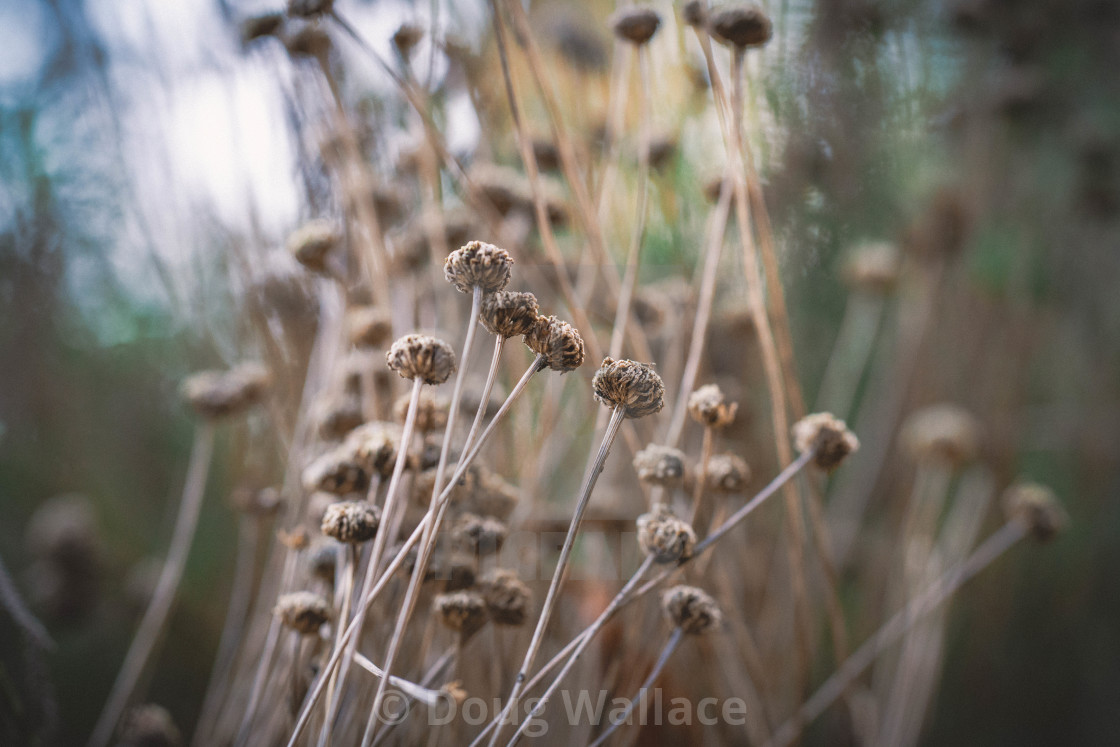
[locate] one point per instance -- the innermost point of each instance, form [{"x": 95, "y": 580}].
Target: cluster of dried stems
[{"x": 389, "y": 593}]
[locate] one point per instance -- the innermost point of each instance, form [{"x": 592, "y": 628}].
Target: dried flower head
[
  {"x": 302, "y": 611},
  {"x": 63, "y": 531},
  {"x": 1036, "y": 508},
  {"x": 509, "y": 313},
  {"x": 337, "y": 471},
  {"x": 457, "y": 570},
  {"x": 149, "y": 725},
  {"x": 312, "y": 242},
  {"x": 661, "y": 150},
  {"x": 422, "y": 357},
  {"x": 261, "y": 25},
  {"x": 322, "y": 559},
  {"x": 695, "y": 13},
  {"x": 478, "y": 264},
  {"x": 691, "y": 609},
  {"x": 479, "y": 535},
  {"x": 660, "y": 465},
  {"x": 373, "y": 447},
  {"x": 406, "y": 38},
  {"x": 504, "y": 188},
  {"x": 633, "y": 387},
  {"x": 873, "y": 268},
  {"x": 309, "y": 8},
  {"x": 547, "y": 154},
  {"x": 507, "y": 597},
  {"x": 261, "y": 503},
  {"x": 462, "y": 611},
  {"x": 727, "y": 473},
  {"x": 827, "y": 436},
  {"x": 707, "y": 406},
  {"x": 351, "y": 522},
  {"x": 944, "y": 433},
  {"x": 741, "y": 25},
  {"x": 665, "y": 537},
  {"x": 336, "y": 418},
  {"x": 369, "y": 326},
  {"x": 218, "y": 394},
  {"x": 431, "y": 411},
  {"x": 559, "y": 342},
  {"x": 636, "y": 24},
  {"x": 307, "y": 40}
]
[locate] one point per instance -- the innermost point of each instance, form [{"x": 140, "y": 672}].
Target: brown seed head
[
  {"x": 63, "y": 531},
  {"x": 660, "y": 465},
  {"x": 504, "y": 188},
  {"x": 507, "y": 597},
  {"x": 665, "y": 537},
  {"x": 149, "y": 725},
  {"x": 431, "y": 411},
  {"x": 1036, "y": 508},
  {"x": 727, "y": 473},
  {"x": 634, "y": 387},
  {"x": 336, "y": 418},
  {"x": 297, "y": 539},
  {"x": 695, "y": 13},
  {"x": 261, "y": 25},
  {"x": 479, "y": 535},
  {"x": 422, "y": 357},
  {"x": 509, "y": 313},
  {"x": 706, "y": 405},
  {"x": 559, "y": 342},
  {"x": 351, "y": 522},
  {"x": 321, "y": 559},
  {"x": 312, "y": 242},
  {"x": 369, "y": 326},
  {"x": 691, "y": 609},
  {"x": 302, "y": 611},
  {"x": 828, "y": 435},
  {"x": 309, "y": 8},
  {"x": 373, "y": 446},
  {"x": 406, "y": 38},
  {"x": 219, "y": 394},
  {"x": 478, "y": 264},
  {"x": 337, "y": 471},
  {"x": 872, "y": 268},
  {"x": 943, "y": 433},
  {"x": 462, "y": 611},
  {"x": 636, "y": 24},
  {"x": 741, "y": 25},
  {"x": 307, "y": 40}
]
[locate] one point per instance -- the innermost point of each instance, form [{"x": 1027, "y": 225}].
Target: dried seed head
[
  {"x": 706, "y": 405},
  {"x": 727, "y": 473},
  {"x": 492, "y": 496},
  {"x": 406, "y": 38},
  {"x": 462, "y": 611},
  {"x": 507, "y": 597},
  {"x": 373, "y": 446},
  {"x": 259, "y": 26},
  {"x": 431, "y": 411},
  {"x": 149, "y": 725},
  {"x": 873, "y": 268},
  {"x": 261, "y": 503},
  {"x": 63, "y": 531},
  {"x": 661, "y": 150},
  {"x": 422, "y": 357},
  {"x": 369, "y": 326},
  {"x": 943, "y": 433},
  {"x": 695, "y": 13},
  {"x": 309, "y": 8},
  {"x": 336, "y": 471},
  {"x": 478, "y": 264},
  {"x": 741, "y": 25},
  {"x": 634, "y": 387},
  {"x": 219, "y": 394},
  {"x": 559, "y": 342},
  {"x": 636, "y": 24},
  {"x": 665, "y": 537},
  {"x": 509, "y": 313},
  {"x": 308, "y": 40},
  {"x": 351, "y": 522},
  {"x": 547, "y": 154},
  {"x": 691, "y": 609},
  {"x": 302, "y": 611},
  {"x": 1036, "y": 508},
  {"x": 322, "y": 559},
  {"x": 335, "y": 419},
  {"x": 479, "y": 535},
  {"x": 312, "y": 242},
  {"x": 828, "y": 435},
  {"x": 457, "y": 570},
  {"x": 660, "y": 465}
]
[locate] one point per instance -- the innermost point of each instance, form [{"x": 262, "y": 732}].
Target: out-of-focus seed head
[
  {"x": 707, "y": 406},
  {"x": 1036, "y": 508},
  {"x": 312, "y": 242},
  {"x": 507, "y": 597},
  {"x": 219, "y": 394},
  {"x": 307, "y": 40},
  {"x": 478, "y": 264},
  {"x": 695, "y": 13},
  {"x": 827, "y": 436},
  {"x": 261, "y": 503},
  {"x": 559, "y": 342},
  {"x": 944, "y": 433},
  {"x": 727, "y": 473},
  {"x": 322, "y": 559},
  {"x": 661, "y": 150},
  {"x": 633, "y": 387},
  {"x": 504, "y": 188},
  {"x": 665, "y": 537},
  {"x": 479, "y": 535},
  {"x": 149, "y": 725},
  {"x": 660, "y": 465},
  {"x": 422, "y": 357},
  {"x": 302, "y": 611},
  {"x": 547, "y": 154},
  {"x": 309, "y": 8},
  {"x": 431, "y": 411},
  {"x": 636, "y": 24},
  {"x": 337, "y": 417},
  {"x": 261, "y": 25},
  {"x": 351, "y": 522},
  {"x": 336, "y": 471},
  {"x": 406, "y": 38},
  {"x": 373, "y": 446},
  {"x": 462, "y": 611},
  {"x": 873, "y": 268},
  {"x": 369, "y": 326},
  {"x": 742, "y": 25},
  {"x": 691, "y": 609},
  {"x": 509, "y": 313},
  {"x": 63, "y": 530}
]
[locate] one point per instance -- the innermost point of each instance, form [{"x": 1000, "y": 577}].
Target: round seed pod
[
  {"x": 336, "y": 419},
  {"x": 369, "y": 326},
  {"x": 633, "y": 387},
  {"x": 336, "y": 471},
  {"x": 691, "y": 609},
  {"x": 462, "y": 611},
  {"x": 406, "y": 38},
  {"x": 665, "y": 537},
  {"x": 636, "y": 24},
  {"x": 149, "y": 725},
  {"x": 479, "y": 535},
  {"x": 740, "y": 25},
  {"x": 431, "y": 411},
  {"x": 660, "y": 465},
  {"x": 507, "y": 597},
  {"x": 872, "y": 268},
  {"x": 422, "y": 357},
  {"x": 309, "y": 8},
  {"x": 944, "y": 433},
  {"x": 706, "y": 405},
  {"x": 219, "y": 394},
  {"x": 351, "y": 522},
  {"x": 478, "y": 264},
  {"x": 727, "y": 473},
  {"x": 457, "y": 570},
  {"x": 260, "y": 26},
  {"x": 828, "y": 435},
  {"x": 302, "y": 611},
  {"x": 695, "y": 13},
  {"x": 321, "y": 559},
  {"x": 1036, "y": 508},
  {"x": 312, "y": 242},
  {"x": 308, "y": 40},
  {"x": 509, "y": 313},
  {"x": 63, "y": 531},
  {"x": 373, "y": 447},
  {"x": 559, "y": 342}
]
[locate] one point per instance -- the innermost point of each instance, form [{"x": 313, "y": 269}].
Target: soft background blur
[{"x": 140, "y": 141}]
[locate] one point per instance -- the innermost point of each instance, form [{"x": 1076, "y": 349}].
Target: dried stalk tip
[
  {"x": 634, "y": 387},
  {"x": 741, "y": 26},
  {"x": 311, "y": 243},
  {"x": 727, "y": 473},
  {"x": 690, "y": 609},
  {"x": 149, "y": 725},
  {"x": 422, "y": 357},
  {"x": 873, "y": 268},
  {"x": 219, "y": 394},
  {"x": 636, "y": 24},
  {"x": 827, "y": 437},
  {"x": 660, "y": 465},
  {"x": 945, "y": 434},
  {"x": 369, "y": 326},
  {"x": 665, "y": 537},
  {"x": 706, "y": 405},
  {"x": 351, "y": 522},
  {"x": 1036, "y": 508},
  {"x": 302, "y": 611},
  {"x": 479, "y": 535},
  {"x": 431, "y": 411},
  {"x": 559, "y": 343},
  {"x": 695, "y": 13},
  {"x": 509, "y": 313},
  {"x": 478, "y": 264},
  {"x": 462, "y": 611},
  {"x": 507, "y": 597}
]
